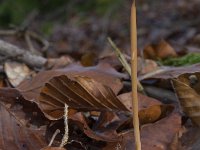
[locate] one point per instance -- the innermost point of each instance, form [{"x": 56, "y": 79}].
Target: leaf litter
[{"x": 99, "y": 102}]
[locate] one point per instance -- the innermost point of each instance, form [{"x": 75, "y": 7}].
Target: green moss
[
  {"x": 14, "y": 12},
  {"x": 189, "y": 59}
]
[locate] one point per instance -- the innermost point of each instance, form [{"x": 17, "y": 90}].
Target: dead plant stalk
[{"x": 134, "y": 77}]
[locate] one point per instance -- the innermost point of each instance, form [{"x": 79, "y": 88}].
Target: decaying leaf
[
  {"x": 157, "y": 136},
  {"x": 187, "y": 87},
  {"x": 16, "y": 72},
  {"x": 16, "y": 137}
]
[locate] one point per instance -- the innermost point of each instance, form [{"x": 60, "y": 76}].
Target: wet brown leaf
[{"x": 187, "y": 87}]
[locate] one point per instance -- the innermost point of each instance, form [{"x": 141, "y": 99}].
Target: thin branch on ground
[
  {"x": 124, "y": 62},
  {"x": 12, "y": 51},
  {"x": 29, "y": 43},
  {"x": 134, "y": 77},
  {"x": 40, "y": 39}
]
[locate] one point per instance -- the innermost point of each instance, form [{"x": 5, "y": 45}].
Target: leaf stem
[{"x": 134, "y": 77}]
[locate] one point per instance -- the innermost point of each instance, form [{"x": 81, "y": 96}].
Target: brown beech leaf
[
  {"x": 102, "y": 73},
  {"x": 187, "y": 87},
  {"x": 150, "y": 110},
  {"x": 159, "y": 51},
  {"x": 14, "y": 136},
  {"x": 76, "y": 90},
  {"x": 157, "y": 136},
  {"x": 80, "y": 93}
]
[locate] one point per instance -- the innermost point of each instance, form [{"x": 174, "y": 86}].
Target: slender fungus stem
[{"x": 134, "y": 77}]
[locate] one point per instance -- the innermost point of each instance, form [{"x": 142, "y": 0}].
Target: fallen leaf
[
  {"x": 88, "y": 59},
  {"x": 16, "y": 72},
  {"x": 105, "y": 128},
  {"x": 172, "y": 72},
  {"x": 80, "y": 93},
  {"x": 190, "y": 140},
  {"x": 56, "y": 63},
  {"x": 102, "y": 73},
  {"x": 150, "y": 110},
  {"x": 16, "y": 137},
  {"x": 146, "y": 65},
  {"x": 161, "y": 50},
  {"x": 157, "y": 136},
  {"x": 53, "y": 148},
  {"x": 187, "y": 87}
]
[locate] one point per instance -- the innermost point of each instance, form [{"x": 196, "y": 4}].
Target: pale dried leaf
[{"x": 16, "y": 72}]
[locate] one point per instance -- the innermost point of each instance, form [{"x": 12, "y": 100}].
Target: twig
[
  {"x": 66, "y": 134},
  {"x": 123, "y": 61},
  {"x": 8, "y": 32},
  {"x": 27, "y": 57},
  {"x": 40, "y": 39},
  {"x": 28, "y": 40},
  {"x": 134, "y": 77}
]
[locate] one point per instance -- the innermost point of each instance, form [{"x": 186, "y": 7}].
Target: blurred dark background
[{"x": 84, "y": 25}]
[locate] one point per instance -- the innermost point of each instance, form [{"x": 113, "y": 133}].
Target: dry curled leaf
[{"x": 187, "y": 87}]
